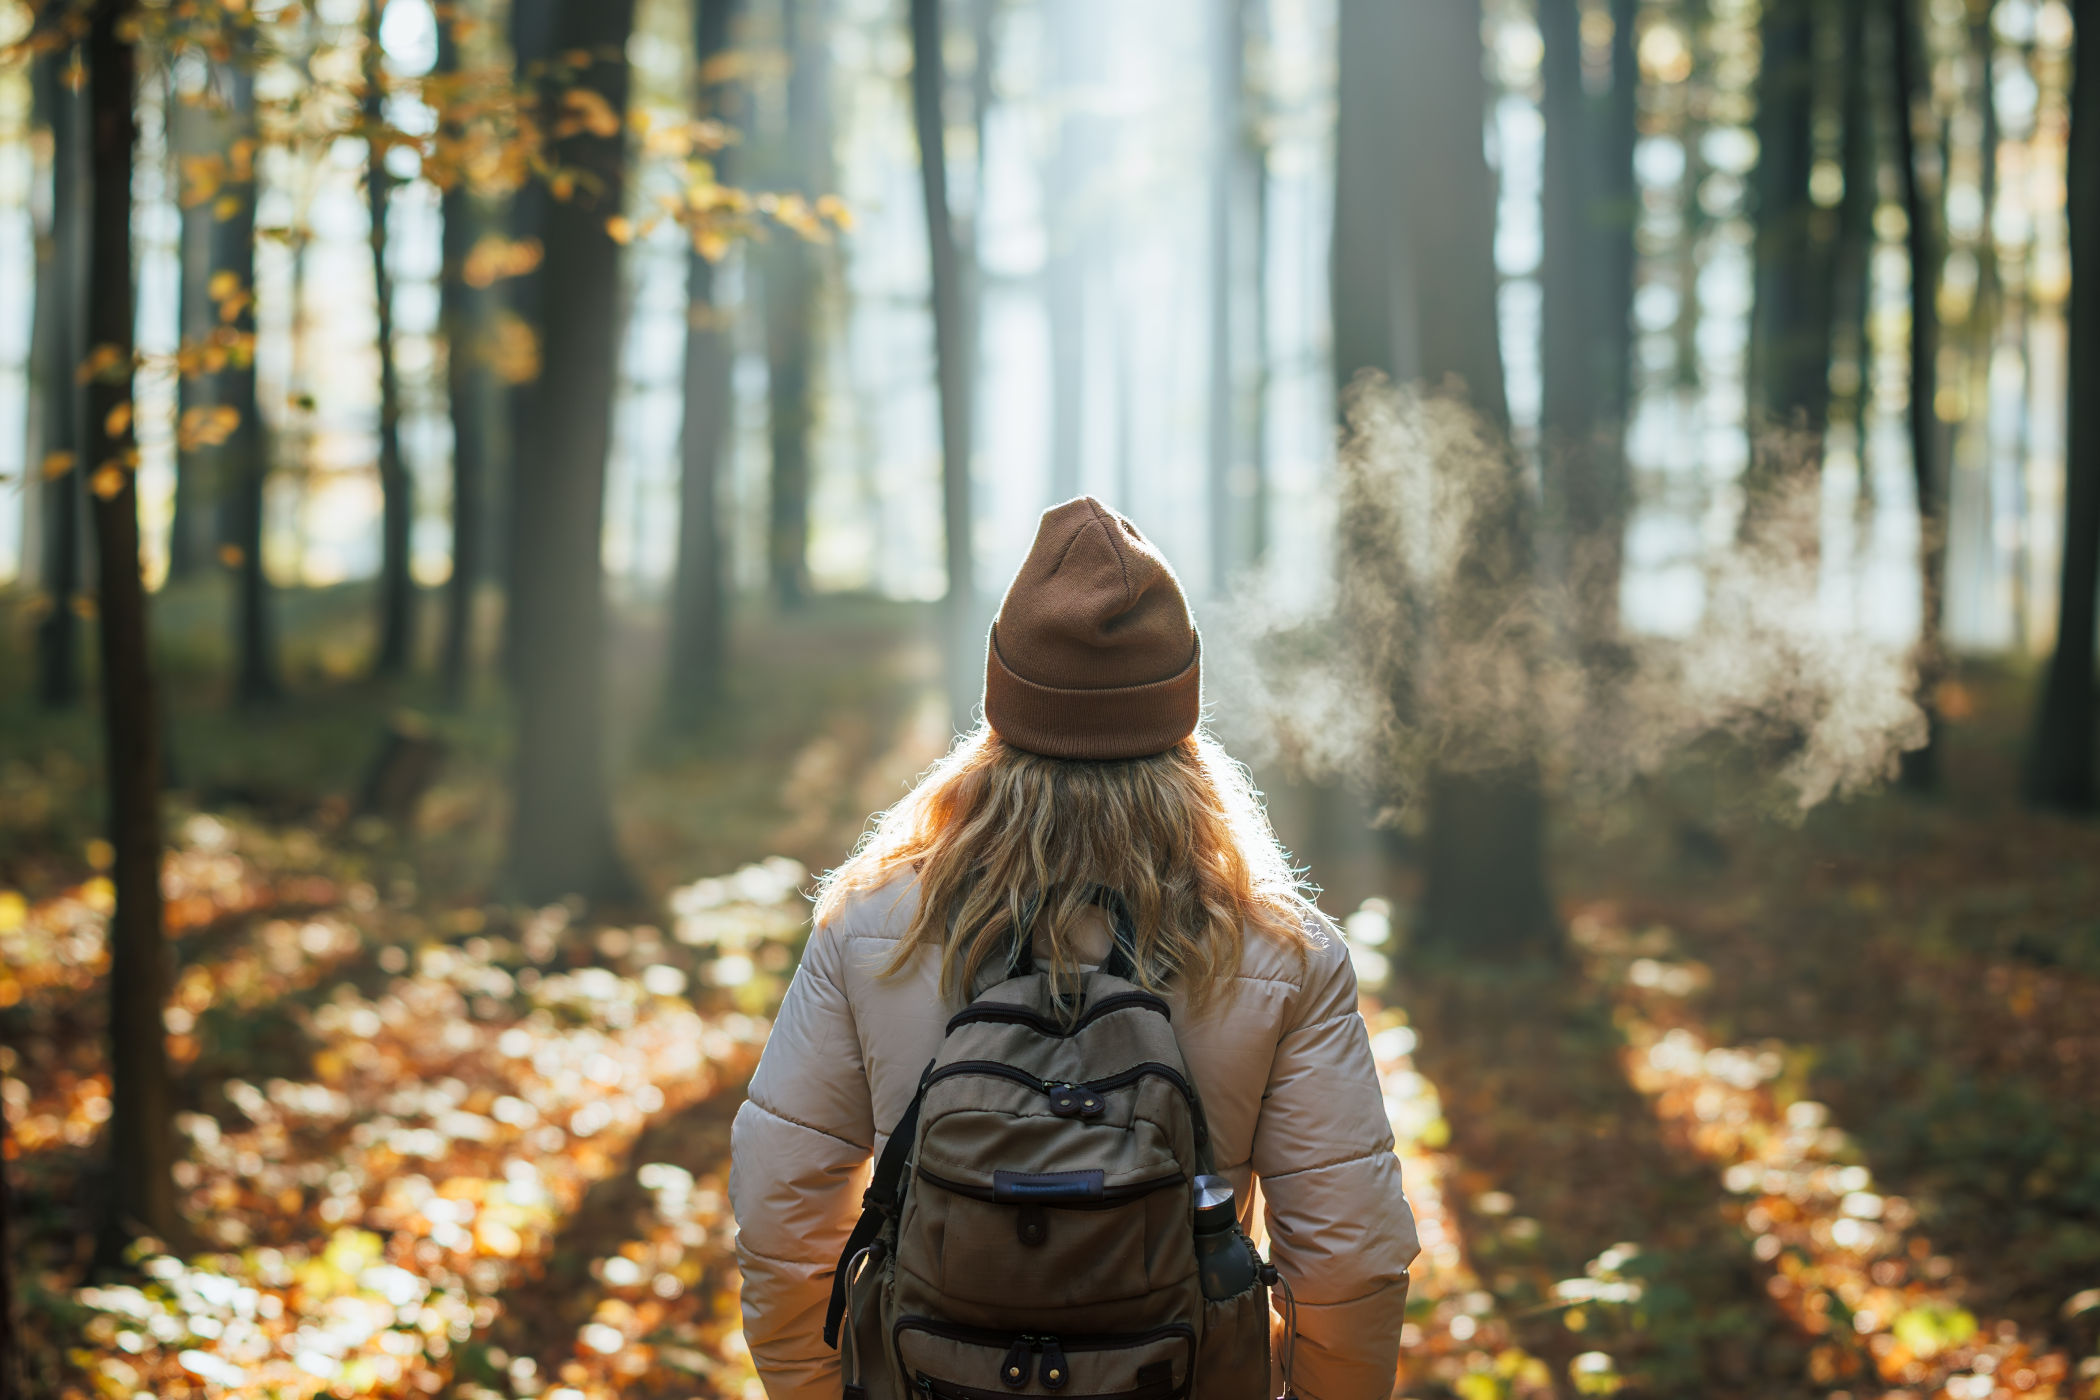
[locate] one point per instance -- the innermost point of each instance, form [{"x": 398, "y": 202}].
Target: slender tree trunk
[
  {"x": 1064, "y": 272},
  {"x": 2060, "y": 766},
  {"x": 61, "y": 305},
  {"x": 562, "y": 839},
  {"x": 193, "y": 535},
  {"x": 245, "y": 455},
  {"x": 1920, "y": 767},
  {"x": 791, "y": 278},
  {"x": 397, "y": 589},
  {"x": 14, "y": 1378},
  {"x": 532, "y": 49},
  {"x": 141, "y": 1187},
  {"x": 1228, "y": 77},
  {"x": 1795, "y": 245},
  {"x": 472, "y": 396},
  {"x": 953, "y": 350},
  {"x": 1486, "y": 890},
  {"x": 1255, "y": 25},
  {"x": 1568, "y": 319},
  {"x": 699, "y": 641}
]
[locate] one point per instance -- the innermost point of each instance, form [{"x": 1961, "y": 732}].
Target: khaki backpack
[{"x": 1030, "y": 1229}]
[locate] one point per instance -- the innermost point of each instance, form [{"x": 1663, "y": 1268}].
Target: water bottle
[{"x": 1225, "y": 1258}]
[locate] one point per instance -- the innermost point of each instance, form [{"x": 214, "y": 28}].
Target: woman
[{"x": 1088, "y": 773}]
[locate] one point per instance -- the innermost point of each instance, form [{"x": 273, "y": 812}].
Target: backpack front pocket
[
  {"x": 1067, "y": 1246},
  {"x": 948, "y": 1361}
]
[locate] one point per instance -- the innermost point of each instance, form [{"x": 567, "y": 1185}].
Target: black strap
[
  {"x": 1122, "y": 952},
  {"x": 881, "y": 1201}
]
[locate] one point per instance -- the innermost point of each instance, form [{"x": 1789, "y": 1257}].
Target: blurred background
[{"x": 547, "y": 473}]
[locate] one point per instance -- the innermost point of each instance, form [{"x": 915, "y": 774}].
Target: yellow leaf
[
  {"x": 225, "y": 207},
  {"x": 620, "y": 229},
  {"x": 591, "y": 112},
  {"x": 107, "y": 481},
  {"x": 118, "y": 420},
  {"x": 102, "y": 362},
  {"x": 224, "y": 284},
  {"x": 57, "y": 464},
  {"x": 231, "y": 555}
]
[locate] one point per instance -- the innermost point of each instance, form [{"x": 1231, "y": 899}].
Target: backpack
[{"x": 1030, "y": 1227}]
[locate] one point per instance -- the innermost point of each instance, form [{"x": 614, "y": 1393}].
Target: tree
[
  {"x": 1415, "y": 298},
  {"x": 2060, "y": 762},
  {"x": 700, "y": 588},
  {"x": 244, "y": 455},
  {"x": 1795, "y": 265},
  {"x": 193, "y": 534},
  {"x": 60, "y": 404},
  {"x": 1064, "y": 270},
  {"x": 472, "y": 392},
  {"x": 397, "y": 589},
  {"x": 801, "y": 165},
  {"x": 954, "y": 353},
  {"x": 140, "y": 1192},
  {"x": 1920, "y": 766},
  {"x": 562, "y": 839},
  {"x": 1228, "y": 77},
  {"x": 532, "y": 52}
]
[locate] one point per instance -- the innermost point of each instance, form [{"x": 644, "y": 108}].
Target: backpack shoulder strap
[
  {"x": 1122, "y": 952},
  {"x": 878, "y": 1205}
]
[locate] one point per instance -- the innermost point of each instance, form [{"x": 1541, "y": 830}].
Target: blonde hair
[{"x": 991, "y": 828}]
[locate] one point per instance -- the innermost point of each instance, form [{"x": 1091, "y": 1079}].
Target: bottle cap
[{"x": 1215, "y": 1209}]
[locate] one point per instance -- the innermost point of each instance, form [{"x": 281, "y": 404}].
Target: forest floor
[{"x": 1809, "y": 1107}]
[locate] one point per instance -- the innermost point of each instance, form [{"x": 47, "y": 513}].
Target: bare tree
[
  {"x": 792, "y": 276},
  {"x": 700, "y": 590},
  {"x": 1415, "y": 298},
  {"x": 562, "y": 839},
  {"x": 954, "y": 350},
  {"x": 140, "y": 1188},
  {"x": 2060, "y": 763},
  {"x": 1920, "y": 768},
  {"x": 397, "y": 589},
  {"x": 60, "y": 404}
]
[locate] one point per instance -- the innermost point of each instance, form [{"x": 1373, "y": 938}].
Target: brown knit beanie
[{"x": 1093, "y": 654}]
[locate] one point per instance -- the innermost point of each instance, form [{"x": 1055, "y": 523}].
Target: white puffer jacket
[{"x": 1282, "y": 1063}]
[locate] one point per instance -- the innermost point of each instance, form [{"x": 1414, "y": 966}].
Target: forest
[{"x": 494, "y": 493}]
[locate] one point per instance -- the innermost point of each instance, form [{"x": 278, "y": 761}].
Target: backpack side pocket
[
  {"x": 870, "y": 1372},
  {"x": 1232, "y": 1361}
]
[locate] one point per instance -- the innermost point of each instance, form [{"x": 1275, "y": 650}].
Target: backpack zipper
[
  {"x": 1110, "y": 1195},
  {"x": 1119, "y": 1080},
  {"x": 1021, "y": 1015}
]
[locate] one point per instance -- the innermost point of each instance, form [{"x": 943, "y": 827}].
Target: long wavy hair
[{"x": 991, "y": 830}]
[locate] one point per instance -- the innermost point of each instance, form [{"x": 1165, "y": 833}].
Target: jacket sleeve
[
  {"x": 1339, "y": 1226},
  {"x": 798, "y": 1157}
]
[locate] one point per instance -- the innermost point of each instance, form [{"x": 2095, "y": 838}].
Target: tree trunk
[
  {"x": 245, "y": 456},
  {"x": 1795, "y": 245},
  {"x": 1228, "y": 76},
  {"x": 14, "y": 1378},
  {"x": 1486, "y": 890},
  {"x": 2060, "y": 766},
  {"x": 61, "y": 406},
  {"x": 194, "y": 534},
  {"x": 953, "y": 352},
  {"x": 1920, "y": 766},
  {"x": 791, "y": 278},
  {"x": 140, "y": 1193},
  {"x": 1256, "y": 28},
  {"x": 397, "y": 589},
  {"x": 699, "y": 641},
  {"x": 472, "y": 395},
  {"x": 1569, "y": 300},
  {"x": 562, "y": 839},
  {"x": 532, "y": 49},
  {"x": 1065, "y": 266}
]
